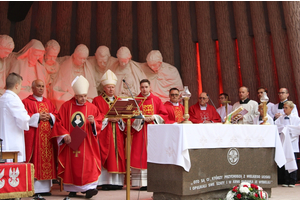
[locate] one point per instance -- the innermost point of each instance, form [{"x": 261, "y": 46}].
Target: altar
[{"x": 203, "y": 161}]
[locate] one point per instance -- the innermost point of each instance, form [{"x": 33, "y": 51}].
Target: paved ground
[{"x": 278, "y": 193}]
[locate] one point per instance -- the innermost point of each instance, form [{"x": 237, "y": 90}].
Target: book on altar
[{"x": 77, "y": 137}]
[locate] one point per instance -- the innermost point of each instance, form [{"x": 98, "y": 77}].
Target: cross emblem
[{"x": 76, "y": 153}]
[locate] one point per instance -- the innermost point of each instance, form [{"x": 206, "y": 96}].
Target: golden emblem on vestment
[
  {"x": 148, "y": 110},
  {"x": 129, "y": 107}
]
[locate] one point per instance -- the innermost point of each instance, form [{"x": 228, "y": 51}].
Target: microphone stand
[
  {"x": 140, "y": 116},
  {"x": 214, "y": 106}
]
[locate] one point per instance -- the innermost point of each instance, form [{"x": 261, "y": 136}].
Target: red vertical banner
[
  {"x": 238, "y": 62},
  {"x": 219, "y": 67},
  {"x": 198, "y": 69}
]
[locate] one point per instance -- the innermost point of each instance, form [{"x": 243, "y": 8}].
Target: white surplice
[{"x": 14, "y": 119}]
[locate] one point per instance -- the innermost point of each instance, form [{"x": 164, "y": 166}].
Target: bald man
[
  {"x": 202, "y": 112},
  {"x": 39, "y": 149},
  {"x": 250, "y": 105}
]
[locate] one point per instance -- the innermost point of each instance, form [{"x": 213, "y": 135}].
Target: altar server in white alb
[
  {"x": 223, "y": 99},
  {"x": 14, "y": 119},
  {"x": 250, "y": 105},
  {"x": 289, "y": 130},
  {"x": 277, "y": 109}
]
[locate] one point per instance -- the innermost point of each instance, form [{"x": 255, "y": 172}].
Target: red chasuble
[
  {"x": 111, "y": 140},
  {"x": 198, "y": 116},
  {"x": 39, "y": 148},
  {"x": 83, "y": 166},
  {"x": 152, "y": 105},
  {"x": 175, "y": 113}
]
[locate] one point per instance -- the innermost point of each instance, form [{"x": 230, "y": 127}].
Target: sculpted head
[
  {"x": 203, "y": 99},
  {"x": 34, "y": 51},
  {"x": 102, "y": 55},
  {"x": 80, "y": 55},
  {"x": 38, "y": 88},
  {"x": 145, "y": 87},
  {"x": 14, "y": 82},
  {"x": 6, "y": 45},
  {"x": 154, "y": 60},
  {"x": 124, "y": 56},
  {"x": 52, "y": 50},
  {"x": 243, "y": 93}
]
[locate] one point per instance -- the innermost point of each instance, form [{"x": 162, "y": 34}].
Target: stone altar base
[{"x": 213, "y": 172}]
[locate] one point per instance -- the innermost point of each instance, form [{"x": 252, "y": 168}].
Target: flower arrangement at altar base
[{"x": 246, "y": 191}]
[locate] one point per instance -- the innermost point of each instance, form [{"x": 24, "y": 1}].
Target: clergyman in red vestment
[
  {"x": 81, "y": 168},
  {"x": 155, "y": 112},
  {"x": 112, "y": 138},
  {"x": 201, "y": 112},
  {"x": 39, "y": 148},
  {"x": 174, "y": 108}
]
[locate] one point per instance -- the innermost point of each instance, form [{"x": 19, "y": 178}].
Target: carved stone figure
[
  {"x": 27, "y": 63},
  {"x": 101, "y": 62},
  {"x": 129, "y": 71},
  {"x": 6, "y": 46},
  {"x": 162, "y": 76},
  {"x": 71, "y": 67},
  {"x": 50, "y": 63}
]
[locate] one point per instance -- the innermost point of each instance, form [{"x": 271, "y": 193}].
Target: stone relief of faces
[
  {"x": 34, "y": 55},
  {"x": 154, "y": 65},
  {"x": 124, "y": 56},
  {"x": 154, "y": 60},
  {"x": 102, "y": 55},
  {"x": 50, "y": 56},
  {"x": 52, "y": 50},
  {"x": 80, "y": 55},
  {"x": 6, "y": 46}
]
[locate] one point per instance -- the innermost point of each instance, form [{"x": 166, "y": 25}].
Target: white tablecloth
[{"x": 169, "y": 143}]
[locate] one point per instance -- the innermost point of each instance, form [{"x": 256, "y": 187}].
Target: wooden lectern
[{"x": 126, "y": 108}]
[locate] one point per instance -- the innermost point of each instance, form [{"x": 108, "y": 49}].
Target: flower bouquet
[{"x": 246, "y": 191}]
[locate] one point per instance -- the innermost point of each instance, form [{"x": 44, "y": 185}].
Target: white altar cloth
[{"x": 169, "y": 143}]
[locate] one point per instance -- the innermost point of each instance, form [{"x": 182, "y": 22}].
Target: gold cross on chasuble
[{"x": 76, "y": 153}]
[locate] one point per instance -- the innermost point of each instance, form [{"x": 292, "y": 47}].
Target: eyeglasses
[
  {"x": 281, "y": 93},
  {"x": 202, "y": 98},
  {"x": 174, "y": 95}
]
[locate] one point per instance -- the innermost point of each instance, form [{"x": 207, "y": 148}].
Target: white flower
[
  {"x": 244, "y": 190},
  {"x": 245, "y": 183},
  {"x": 229, "y": 195}
]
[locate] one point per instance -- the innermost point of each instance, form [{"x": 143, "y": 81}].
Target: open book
[{"x": 239, "y": 111}]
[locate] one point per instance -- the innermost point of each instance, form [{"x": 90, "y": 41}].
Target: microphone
[
  {"x": 140, "y": 116},
  {"x": 214, "y": 106}
]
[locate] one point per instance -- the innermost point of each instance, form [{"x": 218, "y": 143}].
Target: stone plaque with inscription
[{"x": 213, "y": 172}]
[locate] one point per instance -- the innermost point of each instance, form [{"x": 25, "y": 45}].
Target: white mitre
[
  {"x": 109, "y": 78},
  {"x": 80, "y": 85}
]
